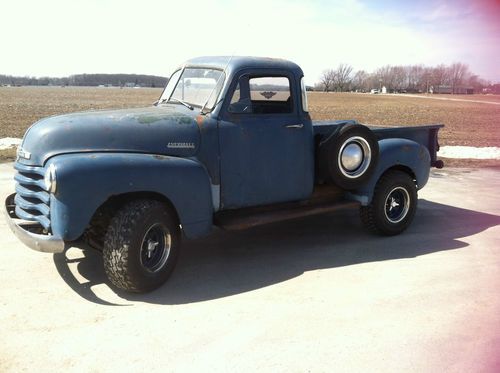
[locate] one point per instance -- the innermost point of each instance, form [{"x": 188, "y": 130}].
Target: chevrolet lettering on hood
[{"x": 181, "y": 145}]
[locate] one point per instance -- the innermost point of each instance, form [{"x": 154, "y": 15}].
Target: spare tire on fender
[{"x": 349, "y": 156}]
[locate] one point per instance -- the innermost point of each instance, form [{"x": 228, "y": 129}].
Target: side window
[{"x": 262, "y": 95}]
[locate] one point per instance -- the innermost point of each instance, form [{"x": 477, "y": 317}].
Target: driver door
[{"x": 266, "y": 152}]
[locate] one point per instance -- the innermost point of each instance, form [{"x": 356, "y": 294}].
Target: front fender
[
  {"x": 400, "y": 153},
  {"x": 86, "y": 181}
]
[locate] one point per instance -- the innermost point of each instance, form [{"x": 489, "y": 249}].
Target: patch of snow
[
  {"x": 471, "y": 152},
  {"x": 9, "y": 142}
]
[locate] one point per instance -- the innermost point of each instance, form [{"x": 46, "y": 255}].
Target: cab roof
[{"x": 236, "y": 63}]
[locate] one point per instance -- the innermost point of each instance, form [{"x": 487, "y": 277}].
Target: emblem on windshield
[
  {"x": 268, "y": 94},
  {"x": 180, "y": 145}
]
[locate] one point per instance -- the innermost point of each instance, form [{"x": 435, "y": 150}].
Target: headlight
[{"x": 50, "y": 179}]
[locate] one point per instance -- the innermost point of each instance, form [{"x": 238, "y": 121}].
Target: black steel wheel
[
  {"x": 141, "y": 246},
  {"x": 393, "y": 205}
]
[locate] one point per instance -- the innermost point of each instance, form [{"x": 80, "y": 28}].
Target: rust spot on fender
[
  {"x": 421, "y": 153},
  {"x": 160, "y": 157},
  {"x": 199, "y": 121},
  {"x": 148, "y": 119}
]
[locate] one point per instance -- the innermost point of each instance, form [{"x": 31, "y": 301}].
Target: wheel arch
[
  {"x": 88, "y": 183},
  {"x": 100, "y": 220},
  {"x": 115, "y": 202},
  {"x": 396, "y": 154},
  {"x": 403, "y": 168}
]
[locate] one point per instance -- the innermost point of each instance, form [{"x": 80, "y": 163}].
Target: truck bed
[{"x": 425, "y": 135}]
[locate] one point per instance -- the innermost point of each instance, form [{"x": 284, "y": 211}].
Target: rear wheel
[
  {"x": 141, "y": 246},
  {"x": 393, "y": 205}
]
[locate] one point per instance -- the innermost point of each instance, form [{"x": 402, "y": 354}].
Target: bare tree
[
  {"x": 382, "y": 77},
  {"x": 361, "y": 81},
  {"x": 342, "y": 77},
  {"x": 416, "y": 78},
  {"x": 425, "y": 81},
  {"x": 458, "y": 72},
  {"x": 439, "y": 75},
  {"x": 327, "y": 80},
  {"x": 398, "y": 78}
]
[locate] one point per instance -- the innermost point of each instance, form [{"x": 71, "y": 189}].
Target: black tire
[
  {"x": 141, "y": 246},
  {"x": 334, "y": 151},
  {"x": 393, "y": 205}
]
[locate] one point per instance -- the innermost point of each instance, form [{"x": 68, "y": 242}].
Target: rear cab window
[{"x": 264, "y": 95}]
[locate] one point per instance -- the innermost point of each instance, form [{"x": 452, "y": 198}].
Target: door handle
[{"x": 295, "y": 125}]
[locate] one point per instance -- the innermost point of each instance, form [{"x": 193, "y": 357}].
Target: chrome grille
[{"x": 32, "y": 200}]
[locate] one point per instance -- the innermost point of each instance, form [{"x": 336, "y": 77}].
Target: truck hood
[{"x": 163, "y": 130}]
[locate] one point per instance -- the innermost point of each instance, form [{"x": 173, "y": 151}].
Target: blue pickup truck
[{"x": 230, "y": 143}]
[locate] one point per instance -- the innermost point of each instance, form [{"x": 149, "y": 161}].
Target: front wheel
[
  {"x": 141, "y": 246},
  {"x": 393, "y": 205}
]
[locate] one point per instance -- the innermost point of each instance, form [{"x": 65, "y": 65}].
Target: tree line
[
  {"x": 410, "y": 78},
  {"x": 90, "y": 80}
]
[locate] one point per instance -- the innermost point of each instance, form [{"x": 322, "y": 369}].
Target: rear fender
[
  {"x": 86, "y": 181},
  {"x": 403, "y": 154}
]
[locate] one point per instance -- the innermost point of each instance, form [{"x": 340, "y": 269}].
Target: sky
[{"x": 62, "y": 37}]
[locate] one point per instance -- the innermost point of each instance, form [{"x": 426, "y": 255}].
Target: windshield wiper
[{"x": 177, "y": 100}]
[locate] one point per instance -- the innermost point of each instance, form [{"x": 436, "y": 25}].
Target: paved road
[
  {"x": 318, "y": 294},
  {"x": 433, "y": 97}
]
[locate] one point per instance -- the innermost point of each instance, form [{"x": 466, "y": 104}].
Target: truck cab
[{"x": 230, "y": 142}]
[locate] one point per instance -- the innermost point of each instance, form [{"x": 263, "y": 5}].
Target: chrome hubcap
[
  {"x": 397, "y": 205},
  {"x": 155, "y": 248},
  {"x": 354, "y": 157}
]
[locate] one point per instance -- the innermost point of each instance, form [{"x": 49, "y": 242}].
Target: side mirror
[{"x": 243, "y": 106}]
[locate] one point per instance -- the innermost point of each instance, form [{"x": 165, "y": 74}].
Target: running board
[{"x": 255, "y": 216}]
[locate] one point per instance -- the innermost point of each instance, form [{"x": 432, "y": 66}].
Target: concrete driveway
[{"x": 318, "y": 294}]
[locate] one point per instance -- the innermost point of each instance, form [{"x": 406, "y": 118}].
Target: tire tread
[
  {"x": 368, "y": 214},
  {"x": 117, "y": 242}
]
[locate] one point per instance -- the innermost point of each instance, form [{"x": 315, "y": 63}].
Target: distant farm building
[{"x": 446, "y": 89}]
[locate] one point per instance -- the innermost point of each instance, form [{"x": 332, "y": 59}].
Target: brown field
[
  {"x": 467, "y": 123},
  {"x": 22, "y": 106}
]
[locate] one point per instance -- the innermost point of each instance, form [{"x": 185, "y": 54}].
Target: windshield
[{"x": 194, "y": 86}]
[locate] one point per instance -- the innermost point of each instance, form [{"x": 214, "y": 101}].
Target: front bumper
[{"x": 25, "y": 231}]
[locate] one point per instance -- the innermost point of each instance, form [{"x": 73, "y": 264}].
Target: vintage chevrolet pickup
[{"x": 229, "y": 143}]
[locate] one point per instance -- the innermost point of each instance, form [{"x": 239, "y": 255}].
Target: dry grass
[{"x": 467, "y": 123}]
